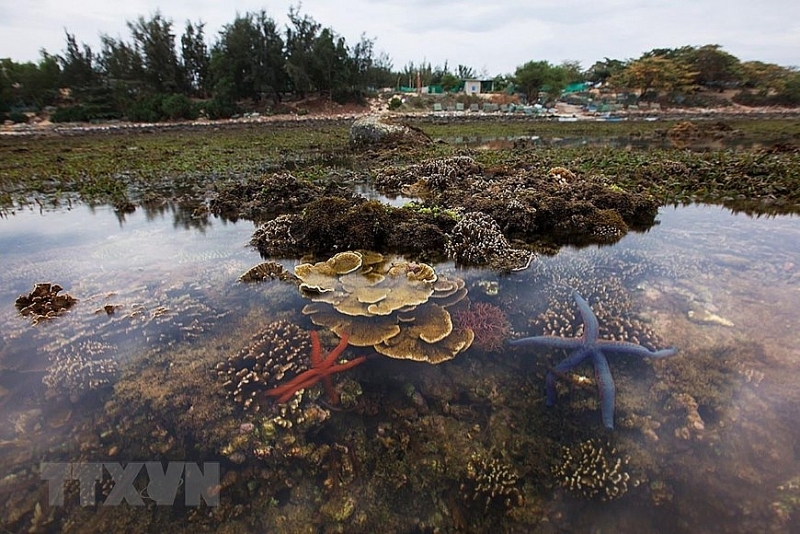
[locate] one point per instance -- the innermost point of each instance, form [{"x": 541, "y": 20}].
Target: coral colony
[
  {"x": 588, "y": 346},
  {"x": 321, "y": 369}
]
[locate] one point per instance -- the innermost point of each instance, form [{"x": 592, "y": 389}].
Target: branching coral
[
  {"x": 489, "y": 323},
  {"x": 478, "y": 240}
]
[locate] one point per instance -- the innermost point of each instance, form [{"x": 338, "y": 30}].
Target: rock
[{"x": 375, "y": 131}]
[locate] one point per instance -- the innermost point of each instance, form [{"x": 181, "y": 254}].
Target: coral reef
[
  {"x": 275, "y": 237},
  {"x": 399, "y": 308},
  {"x": 603, "y": 281},
  {"x": 331, "y": 223},
  {"x": 44, "y": 302},
  {"x": 322, "y": 367},
  {"x": 281, "y": 349},
  {"x": 489, "y": 323},
  {"x": 262, "y": 197},
  {"x": 593, "y": 469},
  {"x": 477, "y": 240},
  {"x": 79, "y": 369},
  {"x": 268, "y": 270},
  {"x": 490, "y": 483},
  {"x": 433, "y": 175},
  {"x": 560, "y": 205}
]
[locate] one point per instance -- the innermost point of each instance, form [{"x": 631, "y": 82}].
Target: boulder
[{"x": 377, "y": 131}]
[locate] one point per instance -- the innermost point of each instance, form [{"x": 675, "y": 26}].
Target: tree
[
  {"x": 29, "y": 85},
  {"x": 763, "y": 77},
  {"x": 77, "y": 65},
  {"x": 155, "y": 42},
  {"x": 195, "y": 59},
  {"x": 654, "y": 73},
  {"x": 601, "y": 71},
  {"x": 301, "y": 38},
  {"x": 571, "y": 71},
  {"x": 536, "y": 76},
  {"x": 122, "y": 70},
  {"x": 381, "y": 72},
  {"x": 119, "y": 62},
  {"x": 248, "y": 61},
  {"x": 451, "y": 82},
  {"x": 790, "y": 94},
  {"x": 328, "y": 67},
  {"x": 714, "y": 67},
  {"x": 362, "y": 67},
  {"x": 464, "y": 72}
]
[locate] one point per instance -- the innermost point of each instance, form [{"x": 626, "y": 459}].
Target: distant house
[{"x": 476, "y": 87}]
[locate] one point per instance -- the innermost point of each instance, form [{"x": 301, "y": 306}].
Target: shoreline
[{"x": 45, "y": 128}]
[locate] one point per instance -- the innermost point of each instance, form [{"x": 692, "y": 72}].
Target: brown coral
[
  {"x": 280, "y": 350},
  {"x": 44, "y": 302},
  {"x": 397, "y": 307}
]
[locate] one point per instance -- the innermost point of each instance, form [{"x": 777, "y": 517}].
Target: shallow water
[{"x": 723, "y": 288}]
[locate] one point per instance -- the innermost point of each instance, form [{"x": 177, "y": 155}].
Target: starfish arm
[
  {"x": 294, "y": 383},
  {"x": 573, "y": 360},
  {"x": 316, "y": 349},
  {"x": 605, "y": 383},
  {"x": 624, "y": 347},
  {"x": 333, "y": 395},
  {"x": 287, "y": 391},
  {"x": 557, "y": 342},
  {"x": 331, "y": 358},
  {"x": 348, "y": 365},
  {"x": 591, "y": 327}
]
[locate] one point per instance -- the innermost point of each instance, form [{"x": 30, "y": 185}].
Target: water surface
[{"x": 724, "y": 288}]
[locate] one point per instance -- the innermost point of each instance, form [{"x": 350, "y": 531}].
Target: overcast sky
[{"x": 493, "y": 36}]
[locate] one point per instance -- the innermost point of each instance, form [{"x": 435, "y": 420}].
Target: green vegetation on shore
[{"x": 124, "y": 168}]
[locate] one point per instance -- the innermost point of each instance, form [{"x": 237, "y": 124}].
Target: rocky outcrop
[{"x": 379, "y": 131}]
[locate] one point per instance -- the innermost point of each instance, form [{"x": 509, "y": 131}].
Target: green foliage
[
  {"x": 77, "y": 113},
  {"x": 160, "y": 107},
  {"x": 253, "y": 59},
  {"x": 17, "y": 117},
  {"x": 156, "y": 43},
  {"x": 601, "y": 71},
  {"x": 394, "y": 103},
  {"x": 146, "y": 109},
  {"x": 178, "y": 107},
  {"x": 195, "y": 59},
  {"x": 77, "y": 65},
  {"x": 657, "y": 74},
  {"x": 536, "y": 76},
  {"x": 220, "y": 107},
  {"x": 248, "y": 60}
]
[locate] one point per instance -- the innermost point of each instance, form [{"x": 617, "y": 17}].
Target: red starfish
[{"x": 321, "y": 369}]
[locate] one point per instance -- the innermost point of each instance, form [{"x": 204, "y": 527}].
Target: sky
[{"x": 492, "y": 37}]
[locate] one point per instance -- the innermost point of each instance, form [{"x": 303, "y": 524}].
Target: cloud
[{"x": 498, "y": 35}]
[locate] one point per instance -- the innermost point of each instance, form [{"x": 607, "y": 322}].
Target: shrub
[
  {"x": 178, "y": 107},
  {"x": 17, "y": 117},
  {"x": 146, "y": 109},
  {"x": 220, "y": 108},
  {"x": 395, "y": 103}
]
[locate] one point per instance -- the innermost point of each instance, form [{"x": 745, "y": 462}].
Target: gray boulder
[{"x": 375, "y": 131}]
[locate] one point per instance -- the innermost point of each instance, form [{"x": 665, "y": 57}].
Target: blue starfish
[{"x": 589, "y": 346}]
